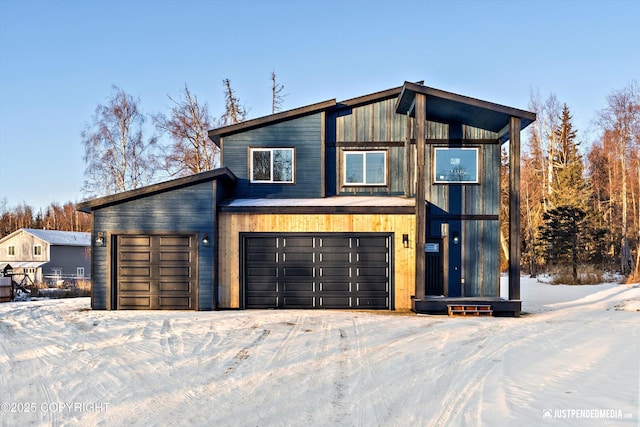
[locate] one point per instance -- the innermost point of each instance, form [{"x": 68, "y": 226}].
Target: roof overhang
[
  {"x": 221, "y": 174},
  {"x": 447, "y": 107}
]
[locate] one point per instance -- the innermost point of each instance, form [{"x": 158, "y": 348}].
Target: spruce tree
[{"x": 570, "y": 233}]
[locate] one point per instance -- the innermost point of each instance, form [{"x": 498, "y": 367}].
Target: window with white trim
[
  {"x": 272, "y": 165},
  {"x": 37, "y": 250},
  {"x": 365, "y": 168},
  {"x": 11, "y": 250},
  {"x": 80, "y": 271}
]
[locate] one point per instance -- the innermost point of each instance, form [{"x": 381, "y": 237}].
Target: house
[
  {"x": 385, "y": 201},
  {"x": 46, "y": 256}
]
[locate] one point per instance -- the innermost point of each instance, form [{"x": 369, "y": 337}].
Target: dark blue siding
[
  {"x": 188, "y": 210},
  {"x": 304, "y": 133}
]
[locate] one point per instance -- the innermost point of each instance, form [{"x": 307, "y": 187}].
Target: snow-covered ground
[{"x": 573, "y": 358}]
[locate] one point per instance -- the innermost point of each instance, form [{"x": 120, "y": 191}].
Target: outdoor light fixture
[
  {"x": 405, "y": 240},
  {"x": 100, "y": 239},
  {"x": 205, "y": 240},
  {"x": 455, "y": 237}
]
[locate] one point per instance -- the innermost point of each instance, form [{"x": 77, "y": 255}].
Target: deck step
[{"x": 469, "y": 310}]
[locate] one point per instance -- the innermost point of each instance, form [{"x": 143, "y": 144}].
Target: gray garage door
[
  {"x": 329, "y": 270},
  {"x": 156, "y": 272}
]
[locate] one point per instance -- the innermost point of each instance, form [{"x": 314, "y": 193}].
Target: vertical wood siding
[
  {"x": 304, "y": 133},
  {"x": 231, "y": 224},
  {"x": 189, "y": 210}
]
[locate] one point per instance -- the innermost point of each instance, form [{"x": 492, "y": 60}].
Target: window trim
[
  {"x": 11, "y": 250},
  {"x": 37, "y": 250},
  {"x": 271, "y": 150},
  {"x": 444, "y": 181},
  {"x": 364, "y": 153}
]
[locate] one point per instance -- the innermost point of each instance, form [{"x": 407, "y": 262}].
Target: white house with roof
[{"x": 46, "y": 256}]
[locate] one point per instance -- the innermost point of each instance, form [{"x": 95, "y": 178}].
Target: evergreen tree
[{"x": 571, "y": 232}]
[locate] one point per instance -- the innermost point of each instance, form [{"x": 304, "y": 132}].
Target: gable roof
[
  {"x": 447, "y": 107},
  {"x": 55, "y": 237},
  {"x": 442, "y": 106},
  {"x": 223, "y": 174}
]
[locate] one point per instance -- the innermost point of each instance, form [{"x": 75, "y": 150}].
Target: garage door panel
[
  {"x": 298, "y": 242},
  {"x": 128, "y": 286},
  {"x": 263, "y": 272},
  {"x": 175, "y": 303},
  {"x": 298, "y": 257},
  {"x": 341, "y": 270},
  {"x": 174, "y": 272},
  {"x": 177, "y": 257},
  {"x": 260, "y": 301},
  {"x": 364, "y": 302},
  {"x": 134, "y": 271},
  {"x": 298, "y": 302},
  {"x": 336, "y": 302},
  {"x": 335, "y": 242},
  {"x": 298, "y": 271},
  {"x": 369, "y": 243},
  {"x": 335, "y": 257},
  {"x": 372, "y": 286},
  {"x": 335, "y": 272},
  {"x": 372, "y": 257},
  {"x": 335, "y": 286},
  {"x": 128, "y": 241},
  {"x": 135, "y": 302},
  {"x": 140, "y": 256},
  {"x": 298, "y": 286},
  {"x": 264, "y": 286},
  {"x": 175, "y": 286},
  {"x": 175, "y": 241}
]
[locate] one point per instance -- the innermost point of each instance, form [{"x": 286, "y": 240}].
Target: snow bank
[{"x": 572, "y": 359}]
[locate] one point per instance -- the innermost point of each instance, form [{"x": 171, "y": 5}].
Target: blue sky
[{"x": 60, "y": 58}]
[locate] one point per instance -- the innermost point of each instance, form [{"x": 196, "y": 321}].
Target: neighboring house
[
  {"x": 46, "y": 256},
  {"x": 386, "y": 201}
]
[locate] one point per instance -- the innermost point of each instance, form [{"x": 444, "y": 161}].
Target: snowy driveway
[{"x": 576, "y": 362}]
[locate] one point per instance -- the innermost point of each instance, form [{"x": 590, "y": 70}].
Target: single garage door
[
  {"x": 329, "y": 270},
  {"x": 155, "y": 272}
]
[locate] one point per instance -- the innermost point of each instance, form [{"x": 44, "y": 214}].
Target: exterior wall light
[
  {"x": 205, "y": 240},
  {"x": 455, "y": 237},
  {"x": 100, "y": 239},
  {"x": 405, "y": 240}
]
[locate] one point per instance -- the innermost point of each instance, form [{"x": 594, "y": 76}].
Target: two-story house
[
  {"x": 386, "y": 201},
  {"x": 46, "y": 256}
]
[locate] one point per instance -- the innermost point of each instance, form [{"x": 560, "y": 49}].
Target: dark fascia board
[
  {"x": 222, "y": 174},
  {"x": 215, "y": 134},
  {"x": 474, "y": 112},
  {"x": 372, "y": 97}
]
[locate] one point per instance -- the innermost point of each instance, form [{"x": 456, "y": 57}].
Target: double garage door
[
  {"x": 156, "y": 272},
  {"x": 328, "y": 270}
]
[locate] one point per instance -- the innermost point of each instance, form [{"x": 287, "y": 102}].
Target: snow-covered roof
[
  {"x": 61, "y": 238},
  {"x": 355, "y": 201}
]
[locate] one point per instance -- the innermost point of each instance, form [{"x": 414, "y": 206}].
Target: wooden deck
[{"x": 474, "y": 306}]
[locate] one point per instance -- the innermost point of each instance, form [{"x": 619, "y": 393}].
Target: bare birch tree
[
  {"x": 191, "y": 150},
  {"x": 621, "y": 118},
  {"x": 117, "y": 155},
  {"x": 234, "y": 112},
  {"x": 277, "y": 97}
]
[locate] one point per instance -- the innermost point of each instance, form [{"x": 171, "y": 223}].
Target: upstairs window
[
  {"x": 455, "y": 165},
  {"x": 11, "y": 250},
  {"x": 272, "y": 165},
  {"x": 365, "y": 168},
  {"x": 37, "y": 250}
]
